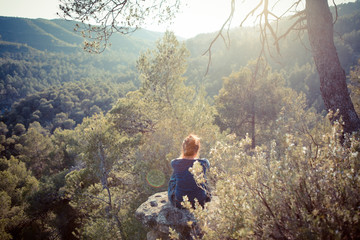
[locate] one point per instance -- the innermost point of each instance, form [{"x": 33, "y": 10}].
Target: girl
[{"x": 182, "y": 182}]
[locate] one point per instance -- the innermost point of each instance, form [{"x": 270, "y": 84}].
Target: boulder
[{"x": 158, "y": 214}]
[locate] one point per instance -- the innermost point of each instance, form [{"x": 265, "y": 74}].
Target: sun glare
[{"x": 195, "y": 17}]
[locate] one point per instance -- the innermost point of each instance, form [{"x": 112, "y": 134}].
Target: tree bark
[
  {"x": 333, "y": 85},
  {"x": 253, "y": 140}
]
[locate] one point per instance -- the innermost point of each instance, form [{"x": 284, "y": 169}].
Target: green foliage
[
  {"x": 101, "y": 143},
  {"x": 303, "y": 187},
  {"x": 43, "y": 214},
  {"x": 354, "y": 86},
  {"x": 36, "y": 150},
  {"x": 133, "y": 115},
  {"x": 305, "y": 79},
  {"x": 51, "y": 214},
  {"x": 65, "y": 106},
  {"x": 250, "y": 100},
  {"x": 103, "y": 190},
  {"x": 162, "y": 69},
  {"x": 16, "y": 185},
  {"x": 23, "y": 74}
]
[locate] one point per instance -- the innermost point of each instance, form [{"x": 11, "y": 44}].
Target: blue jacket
[{"x": 182, "y": 183}]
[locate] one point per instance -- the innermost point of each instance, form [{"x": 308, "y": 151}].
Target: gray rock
[{"x": 158, "y": 214}]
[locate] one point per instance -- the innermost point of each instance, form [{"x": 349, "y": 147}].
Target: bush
[{"x": 306, "y": 189}]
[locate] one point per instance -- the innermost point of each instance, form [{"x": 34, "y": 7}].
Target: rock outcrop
[{"x": 158, "y": 214}]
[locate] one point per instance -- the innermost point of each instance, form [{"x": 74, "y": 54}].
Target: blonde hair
[{"x": 190, "y": 146}]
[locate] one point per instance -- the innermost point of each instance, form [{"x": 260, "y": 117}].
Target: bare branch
[
  {"x": 292, "y": 27},
  {"x": 265, "y": 25},
  {"x": 94, "y": 197},
  {"x": 219, "y": 34},
  {"x": 301, "y": 40},
  {"x": 251, "y": 12},
  {"x": 272, "y": 14},
  {"x": 294, "y": 5},
  {"x": 336, "y": 12}
]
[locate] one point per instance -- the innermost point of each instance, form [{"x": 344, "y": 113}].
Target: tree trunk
[
  {"x": 253, "y": 140},
  {"x": 333, "y": 86},
  {"x": 105, "y": 184}
]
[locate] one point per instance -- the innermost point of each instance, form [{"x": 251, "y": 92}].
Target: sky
[{"x": 197, "y": 16}]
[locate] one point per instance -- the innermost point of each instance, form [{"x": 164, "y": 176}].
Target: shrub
[{"x": 306, "y": 189}]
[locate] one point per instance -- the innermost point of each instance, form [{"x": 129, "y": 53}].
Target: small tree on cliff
[{"x": 316, "y": 19}]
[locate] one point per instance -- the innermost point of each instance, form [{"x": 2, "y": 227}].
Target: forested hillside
[
  {"x": 38, "y": 53},
  {"x": 86, "y": 138}
]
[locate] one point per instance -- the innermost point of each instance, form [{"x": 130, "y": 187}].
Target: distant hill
[
  {"x": 59, "y": 36},
  {"x": 36, "y": 54}
]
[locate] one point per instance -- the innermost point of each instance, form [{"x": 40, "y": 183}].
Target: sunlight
[
  {"x": 195, "y": 17},
  {"x": 205, "y": 16}
]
